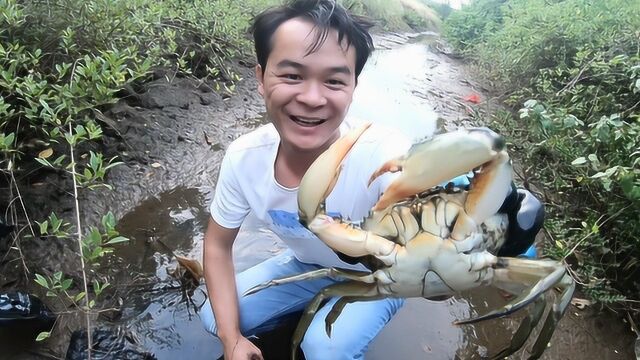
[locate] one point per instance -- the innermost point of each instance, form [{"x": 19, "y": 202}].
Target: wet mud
[{"x": 172, "y": 138}]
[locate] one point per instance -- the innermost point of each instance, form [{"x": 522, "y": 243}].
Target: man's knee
[{"x": 317, "y": 346}]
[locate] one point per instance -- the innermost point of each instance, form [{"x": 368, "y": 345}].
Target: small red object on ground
[{"x": 473, "y": 98}]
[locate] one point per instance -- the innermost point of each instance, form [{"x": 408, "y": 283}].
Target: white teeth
[{"x": 310, "y": 121}]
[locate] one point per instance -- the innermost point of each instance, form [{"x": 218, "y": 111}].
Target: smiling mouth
[{"x": 307, "y": 122}]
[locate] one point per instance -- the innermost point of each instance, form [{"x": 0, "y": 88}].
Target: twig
[
  {"x": 79, "y": 233},
  {"x": 579, "y": 242},
  {"x": 629, "y": 110},
  {"x": 575, "y": 80},
  {"x": 574, "y": 275},
  {"x": 26, "y": 215},
  {"x": 79, "y": 229},
  {"x": 14, "y": 242},
  {"x": 593, "y": 232}
]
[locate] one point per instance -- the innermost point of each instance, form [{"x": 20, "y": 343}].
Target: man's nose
[{"x": 312, "y": 94}]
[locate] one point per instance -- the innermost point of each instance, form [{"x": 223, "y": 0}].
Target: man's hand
[{"x": 241, "y": 349}]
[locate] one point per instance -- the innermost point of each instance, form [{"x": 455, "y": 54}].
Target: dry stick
[
  {"x": 17, "y": 246},
  {"x": 577, "y": 78},
  {"x": 79, "y": 233},
  {"x": 592, "y": 232},
  {"x": 24, "y": 209}
]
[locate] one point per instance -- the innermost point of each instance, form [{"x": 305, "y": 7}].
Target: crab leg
[
  {"x": 524, "y": 330},
  {"x": 556, "y": 313},
  {"x": 545, "y": 274},
  {"x": 549, "y": 326},
  {"x": 351, "y": 241},
  {"x": 337, "y": 308},
  {"x": 315, "y": 274},
  {"x": 350, "y": 288}
]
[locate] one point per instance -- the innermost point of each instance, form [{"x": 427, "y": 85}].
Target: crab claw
[
  {"x": 489, "y": 188},
  {"x": 317, "y": 183},
  {"x": 436, "y": 160},
  {"x": 319, "y": 175}
]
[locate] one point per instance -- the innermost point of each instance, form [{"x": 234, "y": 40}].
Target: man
[{"x": 310, "y": 53}]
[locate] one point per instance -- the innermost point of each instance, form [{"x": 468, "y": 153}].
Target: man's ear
[{"x": 260, "y": 78}]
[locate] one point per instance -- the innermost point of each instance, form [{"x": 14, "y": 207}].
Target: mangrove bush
[{"x": 570, "y": 70}]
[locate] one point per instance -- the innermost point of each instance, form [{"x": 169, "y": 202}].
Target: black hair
[{"x": 325, "y": 15}]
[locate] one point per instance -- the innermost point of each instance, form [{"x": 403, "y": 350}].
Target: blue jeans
[{"x": 351, "y": 334}]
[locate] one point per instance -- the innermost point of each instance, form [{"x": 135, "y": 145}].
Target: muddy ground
[{"x": 171, "y": 136}]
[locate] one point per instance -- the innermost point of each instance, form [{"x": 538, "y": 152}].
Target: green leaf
[
  {"x": 579, "y": 161},
  {"x": 43, "y": 162},
  {"x": 117, "y": 240},
  {"x": 627, "y": 184},
  {"x": 70, "y": 139},
  {"x": 8, "y": 140},
  {"x": 94, "y": 161},
  {"x": 42, "y": 281},
  {"x": 79, "y": 296},
  {"x": 66, "y": 284},
  {"x": 43, "y": 336},
  {"x": 43, "y": 227},
  {"x": 108, "y": 221},
  {"x": 58, "y": 161},
  {"x": 99, "y": 288}
]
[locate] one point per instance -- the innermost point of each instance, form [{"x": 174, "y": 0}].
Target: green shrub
[
  {"x": 442, "y": 9},
  {"x": 515, "y": 39},
  {"x": 572, "y": 68},
  {"x": 396, "y": 15},
  {"x": 61, "y": 63},
  {"x": 467, "y": 27},
  {"x": 62, "y": 60}
]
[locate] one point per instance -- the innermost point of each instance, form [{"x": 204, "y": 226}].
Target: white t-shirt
[{"x": 247, "y": 183}]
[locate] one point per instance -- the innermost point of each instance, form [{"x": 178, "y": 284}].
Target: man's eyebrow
[
  {"x": 336, "y": 69},
  {"x": 289, "y": 63}
]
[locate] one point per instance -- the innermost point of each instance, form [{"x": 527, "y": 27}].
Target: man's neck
[{"x": 291, "y": 164}]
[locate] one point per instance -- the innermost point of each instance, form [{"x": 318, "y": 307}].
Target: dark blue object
[
  {"x": 526, "y": 217},
  {"x": 107, "y": 344},
  {"x": 18, "y": 309}
]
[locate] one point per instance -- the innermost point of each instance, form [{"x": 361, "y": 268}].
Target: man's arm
[{"x": 219, "y": 275}]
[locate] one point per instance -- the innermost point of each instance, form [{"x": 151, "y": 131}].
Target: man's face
[{"x": 307, "y": 96}]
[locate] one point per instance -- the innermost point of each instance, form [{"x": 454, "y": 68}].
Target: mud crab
[{"x": 430, "y": 241}]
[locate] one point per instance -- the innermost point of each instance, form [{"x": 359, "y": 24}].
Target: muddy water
[{"x": 406, "y": 85}]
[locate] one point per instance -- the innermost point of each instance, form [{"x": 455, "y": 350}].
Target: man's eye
[
  {"x": 292, "y": 76},
  {"x": 335, "y": 82}
]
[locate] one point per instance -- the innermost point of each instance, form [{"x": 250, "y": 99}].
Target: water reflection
[
  {"x": 174, "y": 219},
  {"x": 386, "y": 91}
]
